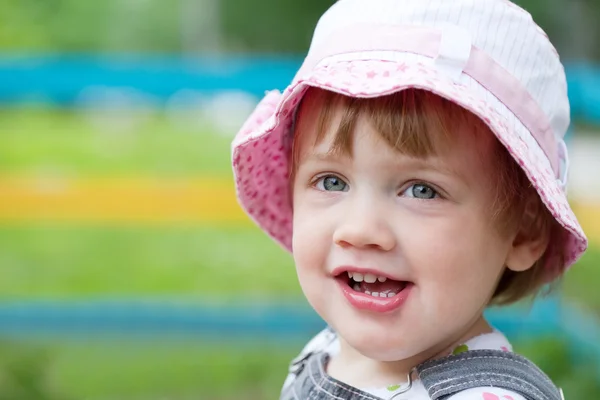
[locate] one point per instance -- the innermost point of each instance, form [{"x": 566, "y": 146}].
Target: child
[{"x": 416, "y": 170}]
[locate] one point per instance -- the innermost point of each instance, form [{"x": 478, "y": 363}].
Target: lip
[{"x": 367, "y": 302}]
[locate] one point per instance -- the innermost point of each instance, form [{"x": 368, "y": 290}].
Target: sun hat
[{"x": 487, "y": 56}]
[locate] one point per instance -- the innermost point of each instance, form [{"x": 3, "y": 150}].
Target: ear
[{"x": 531, "y": 239}]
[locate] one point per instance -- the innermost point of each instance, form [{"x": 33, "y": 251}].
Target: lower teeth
[{"x": 356, "y": 287}]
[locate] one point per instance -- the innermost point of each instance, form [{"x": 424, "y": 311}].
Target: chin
[{"x": 377, "y": 343}]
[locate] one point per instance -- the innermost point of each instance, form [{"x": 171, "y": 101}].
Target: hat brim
[{"x": 261, "y": 150}]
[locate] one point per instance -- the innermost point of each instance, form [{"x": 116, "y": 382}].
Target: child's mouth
[
  {"x": 373, "y": 285},
  {"x": 370, "y": 292}
]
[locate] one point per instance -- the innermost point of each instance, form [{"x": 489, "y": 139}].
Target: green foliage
[
  {"x": 581, "y": 282},
  {"x": 143, "y": 369},
  {"x": 578, "y": 377},
  {"x": 190, "y": 369},
  {"x": 153, "y": 25},
  {"x": 169, "y": 369},
  {"x": 81, "y": 26},
  {"x": 24, "y": 373},
  {"x": 272, "y": 25},
  {"x": 264, "y": 26}
]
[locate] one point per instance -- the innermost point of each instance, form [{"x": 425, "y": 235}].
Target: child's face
[{"x": 426, "y": 223}]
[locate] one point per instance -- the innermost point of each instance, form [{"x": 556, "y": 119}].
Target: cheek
[
  {"x": 309, "y": 241},
  {"x": 465, "y": 267},
  {"x": 310, "y": 254}
]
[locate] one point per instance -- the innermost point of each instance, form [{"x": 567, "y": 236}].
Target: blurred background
[{"x": 128, "y": 270}]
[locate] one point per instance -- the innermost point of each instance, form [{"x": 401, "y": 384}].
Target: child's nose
[{"x": 365, "y": 229}]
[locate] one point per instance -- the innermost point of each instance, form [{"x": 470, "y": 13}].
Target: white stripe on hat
[{"x": 521, "y": 66}]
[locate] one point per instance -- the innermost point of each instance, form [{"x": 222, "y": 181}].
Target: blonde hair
[{"x": 418, "y": 123}]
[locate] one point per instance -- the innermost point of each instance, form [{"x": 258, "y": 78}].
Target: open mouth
[{"x": 373, "y": 285}]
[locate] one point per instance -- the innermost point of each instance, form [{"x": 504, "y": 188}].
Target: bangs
[{"x": 413, "y": 122}]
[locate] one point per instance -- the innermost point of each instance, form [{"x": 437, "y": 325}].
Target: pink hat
[{"x": 487, "y": 56}]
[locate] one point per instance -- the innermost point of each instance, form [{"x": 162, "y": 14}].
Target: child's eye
[
  {"x": 420, "y": 191},
  {"x": 331, "y": 183}
]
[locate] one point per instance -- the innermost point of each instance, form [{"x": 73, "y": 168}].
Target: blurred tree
[
  {"x": 23, "y": 373},
  {"x": 570, "y": 24},
  {"x": 577, "y": 376},
  {"x": 51, "y": 24},
  {"x": 232, "y": 25},
  {"x": 81, "y": 26},
  {"x": 143, "y": 26},
  {"x": 271, "y": 25}
]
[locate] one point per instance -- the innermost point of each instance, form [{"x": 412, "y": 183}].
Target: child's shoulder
[
  {"x": 319, "y": 343},
  {"x": 471, "y": 374},
  {"x": 315, "y": 345}
]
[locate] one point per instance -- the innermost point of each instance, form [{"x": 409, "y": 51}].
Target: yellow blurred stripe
[
  {"x": 152, "y": 200},
  {"x": 120, "y": 200}
]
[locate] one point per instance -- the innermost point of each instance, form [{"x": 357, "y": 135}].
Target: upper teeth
[{"x": 369, "y": 278}]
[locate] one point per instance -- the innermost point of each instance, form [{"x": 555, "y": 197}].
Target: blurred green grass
[
  {"x": 41, "y": 141},
  {"x": 81, "y": 261},
  {"x": 173, "y": 370},
  {"x": 191, "y": 261},
  {"x": 185, "y": 370},
  {"x": 142, "y": 369}
]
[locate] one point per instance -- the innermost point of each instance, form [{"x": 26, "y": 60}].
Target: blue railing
[
  {"x": 61, "y": 79},
  {"x": 152, "y": 318},
  {"x": 160, "y": 317}
]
